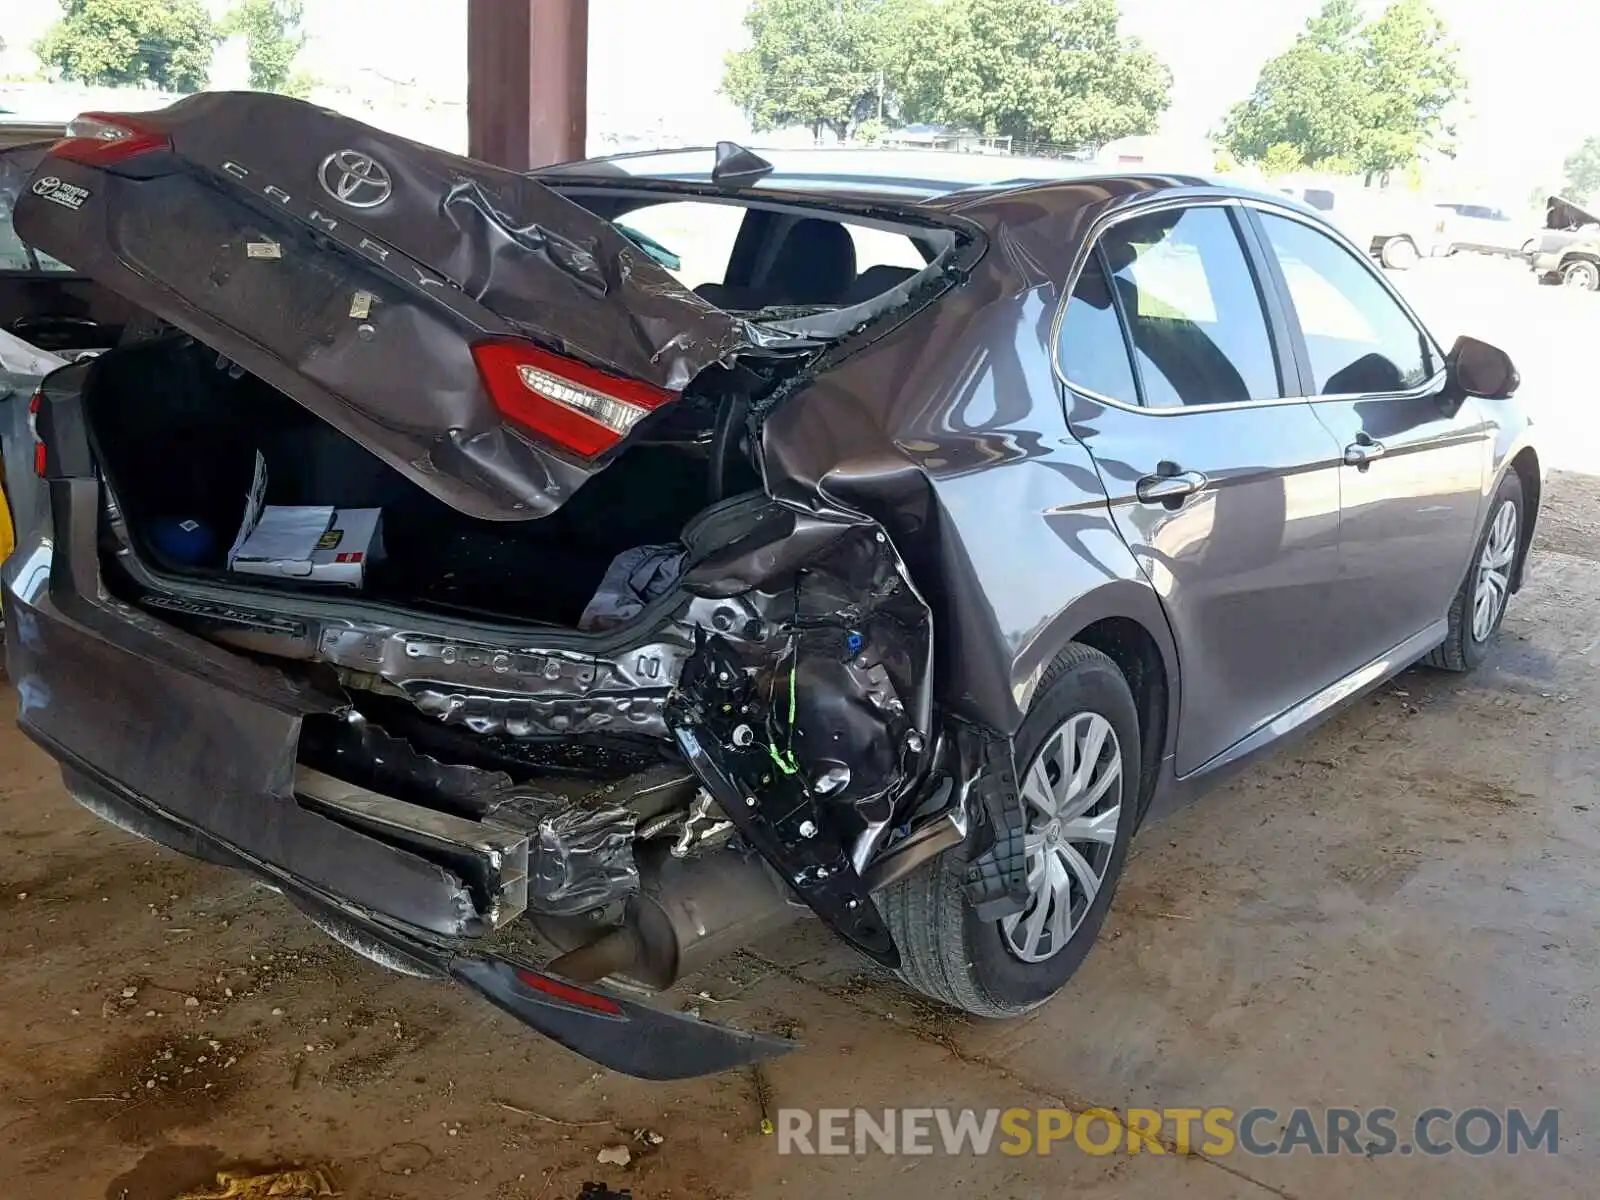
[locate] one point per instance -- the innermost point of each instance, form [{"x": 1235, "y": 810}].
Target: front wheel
[
  {"x": 1079, "y": 753},
  {"x": 1480, "y": 605},
  {"x": 1582, "y": 275}
]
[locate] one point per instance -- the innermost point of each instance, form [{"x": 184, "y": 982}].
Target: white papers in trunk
[
  {"x": 314, "y": 542},
  {"x": 286, "y": 533}
]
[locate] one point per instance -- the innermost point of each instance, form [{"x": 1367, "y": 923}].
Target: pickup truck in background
[
  {"x": 1484, "y": 229},
  {"x": 1395, "y": 230},
  {"x": 1569, "y": 250}
]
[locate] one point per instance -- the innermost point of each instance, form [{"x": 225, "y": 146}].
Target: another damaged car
[
  {"x": 553, "y": 581},
  {"x": 1568, "y": 252}
]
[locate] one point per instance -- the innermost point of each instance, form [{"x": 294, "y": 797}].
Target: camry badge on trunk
[{"x": 356, "y": 179}]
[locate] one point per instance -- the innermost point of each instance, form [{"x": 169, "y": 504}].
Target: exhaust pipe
[{"x": 688, "y": 912}]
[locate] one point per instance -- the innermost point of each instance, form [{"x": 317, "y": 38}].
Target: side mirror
[{"x": 1479, "y": 369}]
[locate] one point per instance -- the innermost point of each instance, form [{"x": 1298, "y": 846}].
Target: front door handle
[
  {"x": 1170, "y": 490},
  {"x": 1362, "y": 451}
]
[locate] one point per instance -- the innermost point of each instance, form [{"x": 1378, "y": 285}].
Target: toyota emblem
[{"x": 356, "y": 179}]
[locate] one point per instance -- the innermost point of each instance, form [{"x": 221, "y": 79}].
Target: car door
[
  {"x": 1415, "y": 462},
  {"x": 1226, "y": 490}
]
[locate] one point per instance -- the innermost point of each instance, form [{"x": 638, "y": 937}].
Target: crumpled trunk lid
[{"x": 354, "y": 270}]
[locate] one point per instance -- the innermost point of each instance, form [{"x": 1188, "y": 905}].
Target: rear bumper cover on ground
[{"x": 194, "y": 747}]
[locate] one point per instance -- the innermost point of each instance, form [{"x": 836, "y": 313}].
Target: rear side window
[
  {"x": 1093, "y": 353},
  {"x": 1358, "y": 337},
  {"x": 1193, "y": 309}
]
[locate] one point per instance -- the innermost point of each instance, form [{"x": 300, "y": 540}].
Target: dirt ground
[{"x": 1398, "y": 911}]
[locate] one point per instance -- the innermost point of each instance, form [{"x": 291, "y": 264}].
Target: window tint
[
  {"x": 1192, "y": 307},
  {"x": 1093, "y": 352},
  {"x": 1359, "y": 339}
]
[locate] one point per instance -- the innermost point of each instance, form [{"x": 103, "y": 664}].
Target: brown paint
[{"x": 527, "y": 90}]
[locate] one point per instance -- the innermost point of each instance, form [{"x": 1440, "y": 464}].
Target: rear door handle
[
  {"x": 1170, "y": 490},
  {"x": 1362, "y": 451}
]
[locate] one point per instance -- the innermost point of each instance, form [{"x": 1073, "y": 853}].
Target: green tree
[
  {"x": 1583, "y": 171},
  {"x": 1281, "y": 158},
  {"x": 811, "y": 62},
  {"x": 168, "y": 43},
  {"x": 1307, "y": 99},
  {"x": 1412, "y": 78},
  {"x": 1352, "y": 96},
  {"x": 273, "y": 38},
  {"x": 1056, "y": 70}
]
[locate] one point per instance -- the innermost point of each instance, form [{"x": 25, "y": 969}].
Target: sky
[{"x": 654, "y": 68}]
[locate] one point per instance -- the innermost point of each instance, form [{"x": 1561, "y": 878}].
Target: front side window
[
  {"x": 1193, "y": 309},
  {"x": 1358, "y": 337}
]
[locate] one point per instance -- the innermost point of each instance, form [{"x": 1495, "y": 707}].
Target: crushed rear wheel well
[{"x": 1131, "y": 646}]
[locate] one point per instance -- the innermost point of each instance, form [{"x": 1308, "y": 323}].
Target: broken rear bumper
[
  {"x": 609, "y": 1029},
  {"x": 186, "y": 744}
]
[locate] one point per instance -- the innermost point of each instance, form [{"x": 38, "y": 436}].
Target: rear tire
[
  {"x": 983, "y": 967},
  {"x": 1399, "y": 254},
  {"x": 1472, "y": 629}
]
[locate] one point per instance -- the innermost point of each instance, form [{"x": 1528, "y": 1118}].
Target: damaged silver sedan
[{"x": 729, "y": 552}]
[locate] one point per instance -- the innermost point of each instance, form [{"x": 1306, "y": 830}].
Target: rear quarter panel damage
[{"x": 951, "y": 433}]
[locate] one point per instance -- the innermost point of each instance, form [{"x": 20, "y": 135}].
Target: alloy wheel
[
  {"x": 1073, "y": 794},
  {"x": 1494, "y": 571}
]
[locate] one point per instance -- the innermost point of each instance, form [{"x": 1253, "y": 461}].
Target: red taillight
[
  {"x": 577, "y": 406},
  {"x": 96, "y": 139},
  {"x": 40, "y": 459},
  {"x": 565, "y": 992}
]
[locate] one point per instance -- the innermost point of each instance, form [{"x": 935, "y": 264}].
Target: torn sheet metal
[
  {"x": 810, "y": 742},
  {"x": 579, "y": 856}
]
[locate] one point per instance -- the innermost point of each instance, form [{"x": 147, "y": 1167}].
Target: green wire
[{"x": 785, "y": 759}]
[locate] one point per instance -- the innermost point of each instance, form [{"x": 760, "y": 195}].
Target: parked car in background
[
  {"x": 1398, "y": 231},
  {"x": 1482, "y": 229},
  {"x": 1569, "y": 250},
  {"x": 43, "y": 301},
  {"x": 892, "y": 579}
]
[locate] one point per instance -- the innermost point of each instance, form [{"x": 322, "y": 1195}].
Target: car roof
[{"x": 891, "y": 174}]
